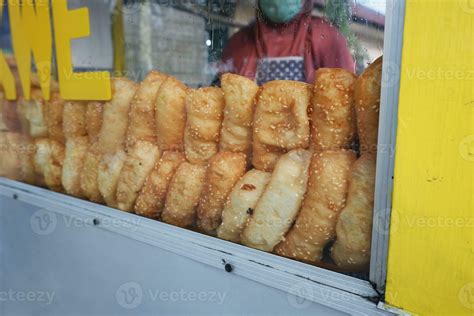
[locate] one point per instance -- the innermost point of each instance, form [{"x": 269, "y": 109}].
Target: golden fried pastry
[
  {"x": 74, "y": 119},
  {"x": 54, "y": 117},
  {"x": 142, "y": 110},
  {"x": 280, "y": 202},
  {"x": 281, "y": 121},
  {"x": 11, "y": 120},
  {"x": 25, "y": 149},
  {"x": 75, "y": 152},
  {"x": 241, "y": 204},
  {"x": 204, "y": 109},
  {"x": 94, "y": 119},
  {"x": 17, "y": 158},
  {"x": 351, "y": 250},
  {"x": 110, "y": 167},
  {"x": 170, "y": 114},
  {"x": 89, "y": 174},
  {"x": 333, "y": 121},
  {"x": 264, "y": 157},
  {"x": 239, "y": 95},
  {"x": 326, "y": 194},
  {"x": 32, "y": 115},
  {"x": 151, "y": 200},
  {"x": 183, "y": 195},
  {"x": 115, "y": 116},
  {"x": 141, "y": 159},
  {"x": 367, "y": 105},
  {"x": 48, "y": 161},
  {"x": 223, "y": 172},
  {"x": 9, "y": 158},
  {"x": 36, "y": 82}
]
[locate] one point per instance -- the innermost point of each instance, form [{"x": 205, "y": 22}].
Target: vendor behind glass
[{"x": 286, "y": 43}]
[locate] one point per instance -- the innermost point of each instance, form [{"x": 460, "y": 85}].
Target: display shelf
[{"x": 332, "y": 289}]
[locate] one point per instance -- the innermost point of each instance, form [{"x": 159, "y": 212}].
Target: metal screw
[
  {"x": 15, "y": 196},
  {"x": 228, "y": 267},
  {"x": 96, "y": 221}
]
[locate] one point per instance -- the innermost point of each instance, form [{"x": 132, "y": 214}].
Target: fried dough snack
[
  {"x": 9, "y": 116},
  {"x": 170, "y": 114},
  {"x": 280, "y": 202},
  {"x": 326, "y": 194},
  {"x": 110, "y": 167},
  {"x": 9, "y": 158},
  {"x": 48, "y": 161},
  {"x": 89, "y": 174},
  {"x": 281, "y": 121},
  {"x": 204, "y": 108},
  {"x": 36, "y": 82},
  {"x": 151, "y": 200},
  {"x": 140, "y": 161},
  {"x": 19, "y": 154},
  {"x": 183, "y": 195},
  {"x": 367, "y": 106},
  {"x": 333, "y": 118},
  {"x": 241, "y": 204},
  {"x": 142, "y": 110},
  {"x": 75, "y": 152},
  {"x": 32, "y": 115},
  {"x": 351, "y": 250},
  {"x": 239, "y": 95},
  {"x": 54, "y": 117},
  {"x": 223, "y": 172},
  {"x": 115, "y": 116},
  {"x": 94, "y": 119},
  {"x": 74, "y": 119},
  {"x": 27, "y": 150}
]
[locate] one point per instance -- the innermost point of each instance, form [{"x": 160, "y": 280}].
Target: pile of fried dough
[{"x": 271, "y": 167}]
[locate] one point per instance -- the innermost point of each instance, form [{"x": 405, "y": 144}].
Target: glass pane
[{"x": 251, "y": 121}]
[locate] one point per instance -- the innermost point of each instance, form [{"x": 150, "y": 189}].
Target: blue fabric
[
  {"x": 281, "y": 68},
  {"x": 5, "y": 38}
]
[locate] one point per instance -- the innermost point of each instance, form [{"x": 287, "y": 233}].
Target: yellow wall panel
[{"x": 431, "y": 248}]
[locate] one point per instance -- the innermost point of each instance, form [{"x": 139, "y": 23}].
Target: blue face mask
[{"x": 280, "y": 11}]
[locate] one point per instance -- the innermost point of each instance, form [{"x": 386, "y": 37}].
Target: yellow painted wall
[{"x": 431, "y": 250}]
